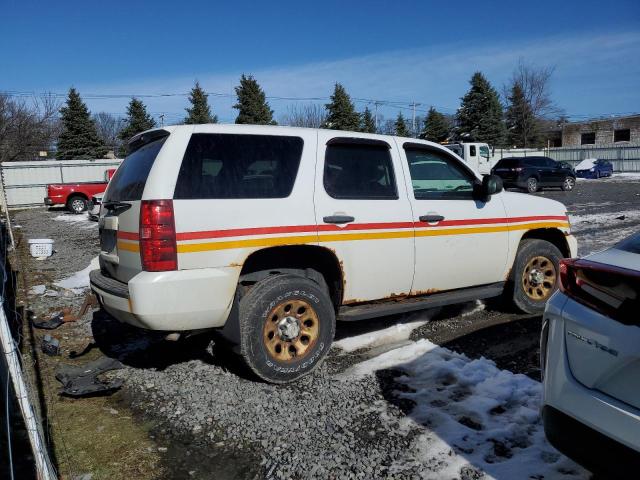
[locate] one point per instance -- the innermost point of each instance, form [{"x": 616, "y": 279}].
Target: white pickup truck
[
  {"x": 476, "y": 155},
  {"x": 270, "y": 234}
]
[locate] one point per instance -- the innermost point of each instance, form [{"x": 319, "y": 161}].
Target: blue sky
[{"x": 397, "y": 51}]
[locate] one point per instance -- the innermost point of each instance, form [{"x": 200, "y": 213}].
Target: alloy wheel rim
[
  {"x": 568, "y": 183},
  {"x": 532, "y": 185},
  {"x": 290, "y": 330},
  {"x": 77, "y": 205},
  {"x": 539, "y": 278}
]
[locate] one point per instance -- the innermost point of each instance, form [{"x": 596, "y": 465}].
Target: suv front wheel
[
  {"x": 287, "y": 324},
  {"x": 534, "y": 274}
]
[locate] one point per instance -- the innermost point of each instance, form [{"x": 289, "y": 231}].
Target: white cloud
[{"x": 437, "y": 75}]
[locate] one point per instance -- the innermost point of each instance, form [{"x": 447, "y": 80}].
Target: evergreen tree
[
  {"x": 521, "y": 121},
  {"x": 79, "y": 137},
  {"x": 341, "y": 114},
  {"x": 138, "y": 120},
  {"x": 401, "y": 126},
  {"x": 199, "y": 111},
  {"x": 368, "y": 122},
  {"x": 436, "y": 127},
  {"x": 480, "y": 114},
  {"x": 252, "y": 104}
]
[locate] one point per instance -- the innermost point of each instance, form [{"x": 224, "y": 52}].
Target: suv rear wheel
[
  {"x": 287, "y": 324},
  {"x": 569, "y": 183},
  {"x": 77, "y": 204},
  {"x": 532, "y": 185},
  {"x": 534, "y": 274}
]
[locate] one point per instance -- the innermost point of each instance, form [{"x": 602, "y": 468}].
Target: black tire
[
  {"x": 568, "y": 183},
  {"x": 597, "y": 174},
  {"x": 256, "y": 311},
  {"x": 529, "y": 250},
  {"x": 532, "y": 184},
  {"x": 77, "y": 204}
]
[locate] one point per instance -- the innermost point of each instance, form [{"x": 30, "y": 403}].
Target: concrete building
[{"x": 610, "y": 131}]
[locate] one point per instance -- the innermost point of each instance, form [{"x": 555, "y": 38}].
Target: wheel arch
[{"x": 554, "y": 236}]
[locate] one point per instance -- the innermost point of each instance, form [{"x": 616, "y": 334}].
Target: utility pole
[{"x": 413, "y": 117}]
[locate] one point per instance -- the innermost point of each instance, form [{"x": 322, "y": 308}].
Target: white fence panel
[{"x": 25, "y": 183}]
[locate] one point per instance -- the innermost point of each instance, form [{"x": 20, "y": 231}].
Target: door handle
[
  {"x": 431, "y": 218},
  {"x": 338, "y": 219}
]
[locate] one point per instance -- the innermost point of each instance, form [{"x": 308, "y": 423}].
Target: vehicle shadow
[{"x": 145, "y": 349}]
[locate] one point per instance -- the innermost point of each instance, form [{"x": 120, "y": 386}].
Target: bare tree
[
  {"x": 108, "y": 127},
  {"x": 27, "y": 127},
  {"x": 309, "y": 115},
  {"x": 529, "y": 103}
]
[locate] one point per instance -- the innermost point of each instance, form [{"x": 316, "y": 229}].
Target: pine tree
[
  {"x": 436, "y": 127},
  {"x": 480, "y": 114},
  {"x": 252, "y": 104},
  {"x": 401, "y": 126},
  {"x": 138, "y": 120},
  {"x": 521, "y": 121},
  {"x": 341, "y": 114},
  {"x": 79, "y": 137},
  {"x": 368, "y": 122},
  {"x": 199, "y": 111}
]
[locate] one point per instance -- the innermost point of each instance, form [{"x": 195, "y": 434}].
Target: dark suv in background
[{"x": 534, "y": 173}]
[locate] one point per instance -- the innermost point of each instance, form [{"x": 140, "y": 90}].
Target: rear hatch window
[{"x": 127, "y": 184}]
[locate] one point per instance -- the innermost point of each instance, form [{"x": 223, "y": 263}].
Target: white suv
[{"x": 271, "y": 233}]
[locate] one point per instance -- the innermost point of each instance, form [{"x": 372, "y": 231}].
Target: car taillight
[
  {"x": 518, "y": 169},
  {"x": 612, "y": 291},
  {"x": 158, "y": 251}
]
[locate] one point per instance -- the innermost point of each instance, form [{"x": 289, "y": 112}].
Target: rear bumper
[
  {"x": 170, "y": 301},
  {"x": 577, "y": 414},
  {"x": 48, "y": 201},
  {"x": 588, "y": 447}
]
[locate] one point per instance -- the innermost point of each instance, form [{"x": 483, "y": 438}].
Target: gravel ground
[{"x": 218, "y": 421}]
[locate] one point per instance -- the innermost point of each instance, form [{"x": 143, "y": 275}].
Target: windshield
[{"x": 586, "y": 164}]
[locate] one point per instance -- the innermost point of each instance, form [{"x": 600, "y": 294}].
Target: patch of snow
[
  {"x": 472, "y": 414},
  {"x": 81, "y": 220},
  {"x": 79, "y": 281},
  {"x": 394, "y": 334},
  {"x": 586, "y": 164},
  {"x": 478, "y": 306},
  {"x": 626, "y": 176},
  {"x": 37, "y": 290}
]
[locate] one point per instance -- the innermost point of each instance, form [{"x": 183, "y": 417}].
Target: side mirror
[{"x": 491, "y": 184}]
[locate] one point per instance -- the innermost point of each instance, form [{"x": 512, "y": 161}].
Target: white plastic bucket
[{"x": 40, "y": 247}]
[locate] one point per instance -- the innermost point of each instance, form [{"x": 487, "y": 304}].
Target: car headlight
[{"x": 593, "y": 169}]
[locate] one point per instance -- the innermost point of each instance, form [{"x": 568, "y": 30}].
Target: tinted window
[
  {"x": 129, "y": 180},
  {"x": 631, "y": 244},
  {"x": 472, "y": 150},
  {"x": 359, "y": 172},
  {"x": 435, "y": 175},
  {"x": 484, "y": 152},
  {"x": 535, "y": 162},
  {"x": 238, "y": 166},
  {"x": 508, "y": 163}
]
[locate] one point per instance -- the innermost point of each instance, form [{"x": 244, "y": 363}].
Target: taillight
[
  {"x": 612, "y": 291},
  {"x": 157, "y": 236},
  {"x": 518, "y": 169}
]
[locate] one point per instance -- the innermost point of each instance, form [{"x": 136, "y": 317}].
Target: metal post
[{"x": 43, "y": 462}]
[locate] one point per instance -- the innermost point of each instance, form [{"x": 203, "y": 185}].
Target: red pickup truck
[{"x": 76, "y": 195}]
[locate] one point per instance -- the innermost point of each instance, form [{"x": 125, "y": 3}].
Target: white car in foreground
[{"x": 590, "y": 355}]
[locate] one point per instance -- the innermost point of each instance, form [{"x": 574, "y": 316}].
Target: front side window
[
  {"x": 353, "y": 171},
  {"x": 435, "y": 175},
  {"x": 219, "y": 166},
  {"x": 484, "y": 152}
]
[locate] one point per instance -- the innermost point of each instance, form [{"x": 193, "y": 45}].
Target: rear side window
[
  {"x": 359, "y": 172},
  {"x": 218, "y": 166},
  {"x": 508, "y": 163},
  {"x": 127, "y": 184}
]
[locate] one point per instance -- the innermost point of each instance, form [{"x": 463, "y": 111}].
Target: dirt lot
[{"x": 439, "y": 394}]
